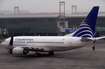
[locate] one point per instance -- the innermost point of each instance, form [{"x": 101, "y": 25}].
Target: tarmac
[{"x": 82, "y": 58}]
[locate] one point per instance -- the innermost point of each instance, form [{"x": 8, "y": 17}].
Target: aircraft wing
[{"x": 41, "y": 49}]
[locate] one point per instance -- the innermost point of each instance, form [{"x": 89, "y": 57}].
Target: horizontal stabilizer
[
  {"x": 92, "y": 39},
  {"x": 86, "y": 39},
  {"x": 100, "y": 38}
]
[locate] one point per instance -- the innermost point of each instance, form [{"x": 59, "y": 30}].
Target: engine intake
[{"x": 19, "y": 50}]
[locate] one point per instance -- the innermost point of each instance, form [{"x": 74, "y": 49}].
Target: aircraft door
[{"x": 70, "y": 42}]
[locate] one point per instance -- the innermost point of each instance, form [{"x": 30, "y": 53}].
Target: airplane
[{"x": 83, "y": 36}]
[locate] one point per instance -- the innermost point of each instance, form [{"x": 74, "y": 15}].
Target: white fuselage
[{"x": 48, "y": 43}]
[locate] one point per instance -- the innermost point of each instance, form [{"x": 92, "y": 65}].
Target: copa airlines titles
[{"x": 23, "y": 39}]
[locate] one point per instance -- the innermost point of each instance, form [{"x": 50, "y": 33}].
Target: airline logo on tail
[{"x": 87, "y": 27}]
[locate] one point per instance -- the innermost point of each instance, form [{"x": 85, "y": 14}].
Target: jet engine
[{"x": 19, "y": 50}]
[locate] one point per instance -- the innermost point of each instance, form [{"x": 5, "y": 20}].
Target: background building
[{"x": 45, "y": 24}]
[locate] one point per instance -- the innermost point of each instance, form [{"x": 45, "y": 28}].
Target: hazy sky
[{"x": 38, "y": 6}]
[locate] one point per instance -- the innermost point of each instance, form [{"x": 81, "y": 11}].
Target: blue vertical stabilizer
[
  {"x": 11, "y": 41},
  {"x": 87, "y": 27}
]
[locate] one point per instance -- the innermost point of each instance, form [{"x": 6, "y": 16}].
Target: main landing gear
[
  {"x": 38, "y": 54},
  {"x": 51, "y": 53}
]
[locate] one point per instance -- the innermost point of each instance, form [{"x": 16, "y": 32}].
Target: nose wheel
[{"x": 10, "y": 51}]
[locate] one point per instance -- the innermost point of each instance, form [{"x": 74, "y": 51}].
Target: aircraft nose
[{"x": 2, "y": 43}]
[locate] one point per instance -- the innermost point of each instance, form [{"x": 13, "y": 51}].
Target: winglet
[
  {"x": 95, "y": 34},
  {"x": 11, "y": 40}
]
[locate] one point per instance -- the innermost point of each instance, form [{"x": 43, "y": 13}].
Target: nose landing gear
[{"x": 10, "y": 51}]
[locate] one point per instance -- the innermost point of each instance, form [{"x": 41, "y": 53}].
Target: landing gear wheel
[
  {"x": 10, "y": 51},
  {"x": 37, "y": 54},
  {"x": 51, "y": 53}
]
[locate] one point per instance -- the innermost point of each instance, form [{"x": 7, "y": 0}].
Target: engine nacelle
[{"x": 19, "y": 50}]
